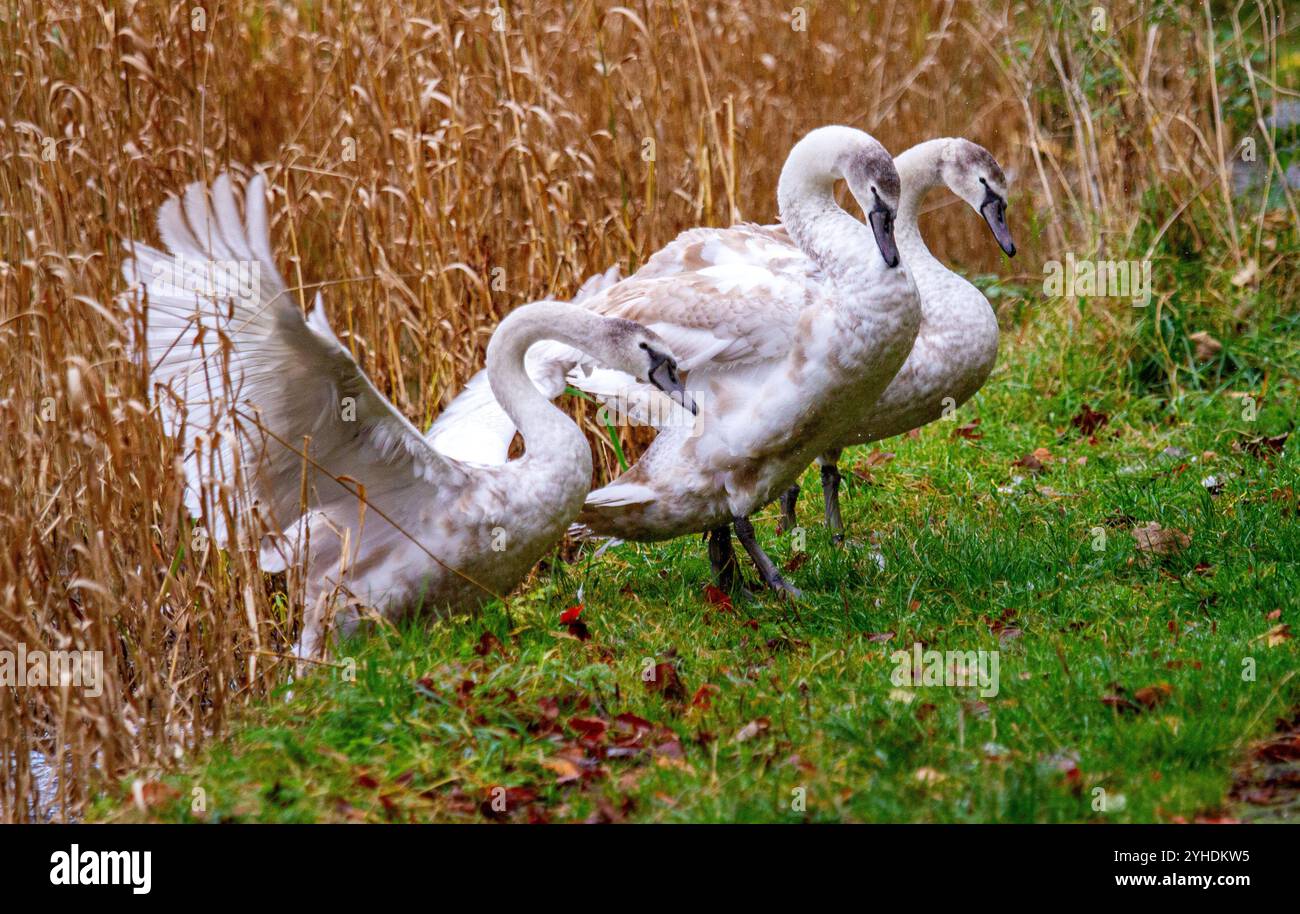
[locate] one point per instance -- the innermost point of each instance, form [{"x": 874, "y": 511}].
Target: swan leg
[
  {"x": 831, "y": 496},
  {"x": 767, "y": 570},
  {"x": 723, "y": 558},
  {"x": 788, "y": 501}
]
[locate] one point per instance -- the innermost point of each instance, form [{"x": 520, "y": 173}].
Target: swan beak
[
  {"x": 664, "y": 376},
  {"x": 994, "y": 211},
  {"x": 881, "y": 218}
]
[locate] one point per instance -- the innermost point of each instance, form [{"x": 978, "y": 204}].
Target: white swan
[
  {"x": 958, "y": 342},
  {"x": 389, "y": 522},
  {"x": 779, "y": 330}
]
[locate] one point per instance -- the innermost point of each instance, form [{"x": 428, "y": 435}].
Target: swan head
[
  {"x": 972, "y": 173},
  {"x": 642, "y": 353},
  {"x": 830, "y": 154},
  {"x": 869, "y": 171}
]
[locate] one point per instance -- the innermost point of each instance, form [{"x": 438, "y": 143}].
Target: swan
[
  {"x": 957, "y": 344},
  {"x": 779, "y": 329},
  {"x": 380, "y": 517}
]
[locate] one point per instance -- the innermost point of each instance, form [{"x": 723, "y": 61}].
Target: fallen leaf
[
  {"x": 1088, "y": 420},
  {"x": 1248, "y": 273},
  {"x": 752, "y": 729},
  {"x": 703, "y": 697},
  {"x": 665, "y": 681},
  {"x": 571, "y": 614},
  {"x": 1207, "y": 347},
  {"x": 718, "y": 597},
  {"x": 566, "y": 771},
  {"x": 969, "y": 431},
  {"x": 1159, "y": 540},
  {"x": 591, "y": 728},
  {"x": 489, "y": 643},
  {"x": 1262, "y": 447},
  {"x": 1277, "y": 635},
  {"x": 1153, "y": 695},
  {"x": 1029, "y": 462}
]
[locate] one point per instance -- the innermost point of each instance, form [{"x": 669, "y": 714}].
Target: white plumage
[
  {"x": 286, "y": 439},
  {"x": 957, "y": 344},
  {"x": 783, "y": 330}
]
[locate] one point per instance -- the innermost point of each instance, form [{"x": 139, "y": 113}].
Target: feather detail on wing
[{"x": 246, "y": 381}]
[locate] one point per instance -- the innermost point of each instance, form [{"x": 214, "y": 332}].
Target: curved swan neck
[
  {"x": 806, "y": 196},
  {"x": 540, "y": 422},
  {"x": 919, "y": 171}
]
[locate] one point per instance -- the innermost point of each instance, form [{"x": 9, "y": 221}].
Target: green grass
[{"x": 431, "y": 724}]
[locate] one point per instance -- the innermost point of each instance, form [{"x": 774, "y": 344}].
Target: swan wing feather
[{"x": 243, "y": 378}]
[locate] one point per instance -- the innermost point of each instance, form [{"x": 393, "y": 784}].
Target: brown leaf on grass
[
  {"x": 663, "y": 680},
  {"x": 796, "y": 561},
  {"x": 489, "y": 643},
  {"x": 1263, "y": 447},
  {"x": 605, "y": 813},
  {"x": 1207, "y": 347},
  {"x": 1036, "y": 462},
  {"x": 970, "y": 431},
  {"x": 752, "y": 729},
  {"x": 1277, "y": 635},
  {"x": 880, "y": 637},
  {"x": 1119, "y": 703},
  {"x": 590, "y": 729},
  {"x": 1153, "y": 695},
  {"x": 499, "y": 802},
  {"x": 1088, "y": 420},
  {"x": 862, "y": 469},
  {"x": 566, "y": 770},
  {"x": 1030, "y": 463},
  {"x": 1158, "y": 540},
  {"x": 1283, "y": 749},
  {"x": 703, "y": 697},
  {"x": 718, "y": 597}
]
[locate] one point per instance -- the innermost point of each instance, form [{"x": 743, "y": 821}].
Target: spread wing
[{"x": 247, "y": 382}]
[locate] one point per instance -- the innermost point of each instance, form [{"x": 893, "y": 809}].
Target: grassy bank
[{"x": 1134, "y": 674}]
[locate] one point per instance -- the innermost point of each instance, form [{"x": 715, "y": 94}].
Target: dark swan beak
[
  {"x": 663, "y": 374},
  {"x": 881, "y": 218},
  {"x": 994, "y": 211}
]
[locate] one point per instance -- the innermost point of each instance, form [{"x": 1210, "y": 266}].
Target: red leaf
[
  {"x": 487, "y": 643},
  {"x": 704, "y": 696},
  {"x": 589, "y": 727},
  {"x": 666, "y": 682},
  {"x": 1089, "y": 420},
  {"x": 718, "y": 597},
  {"x": 571, "y": 614}
]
